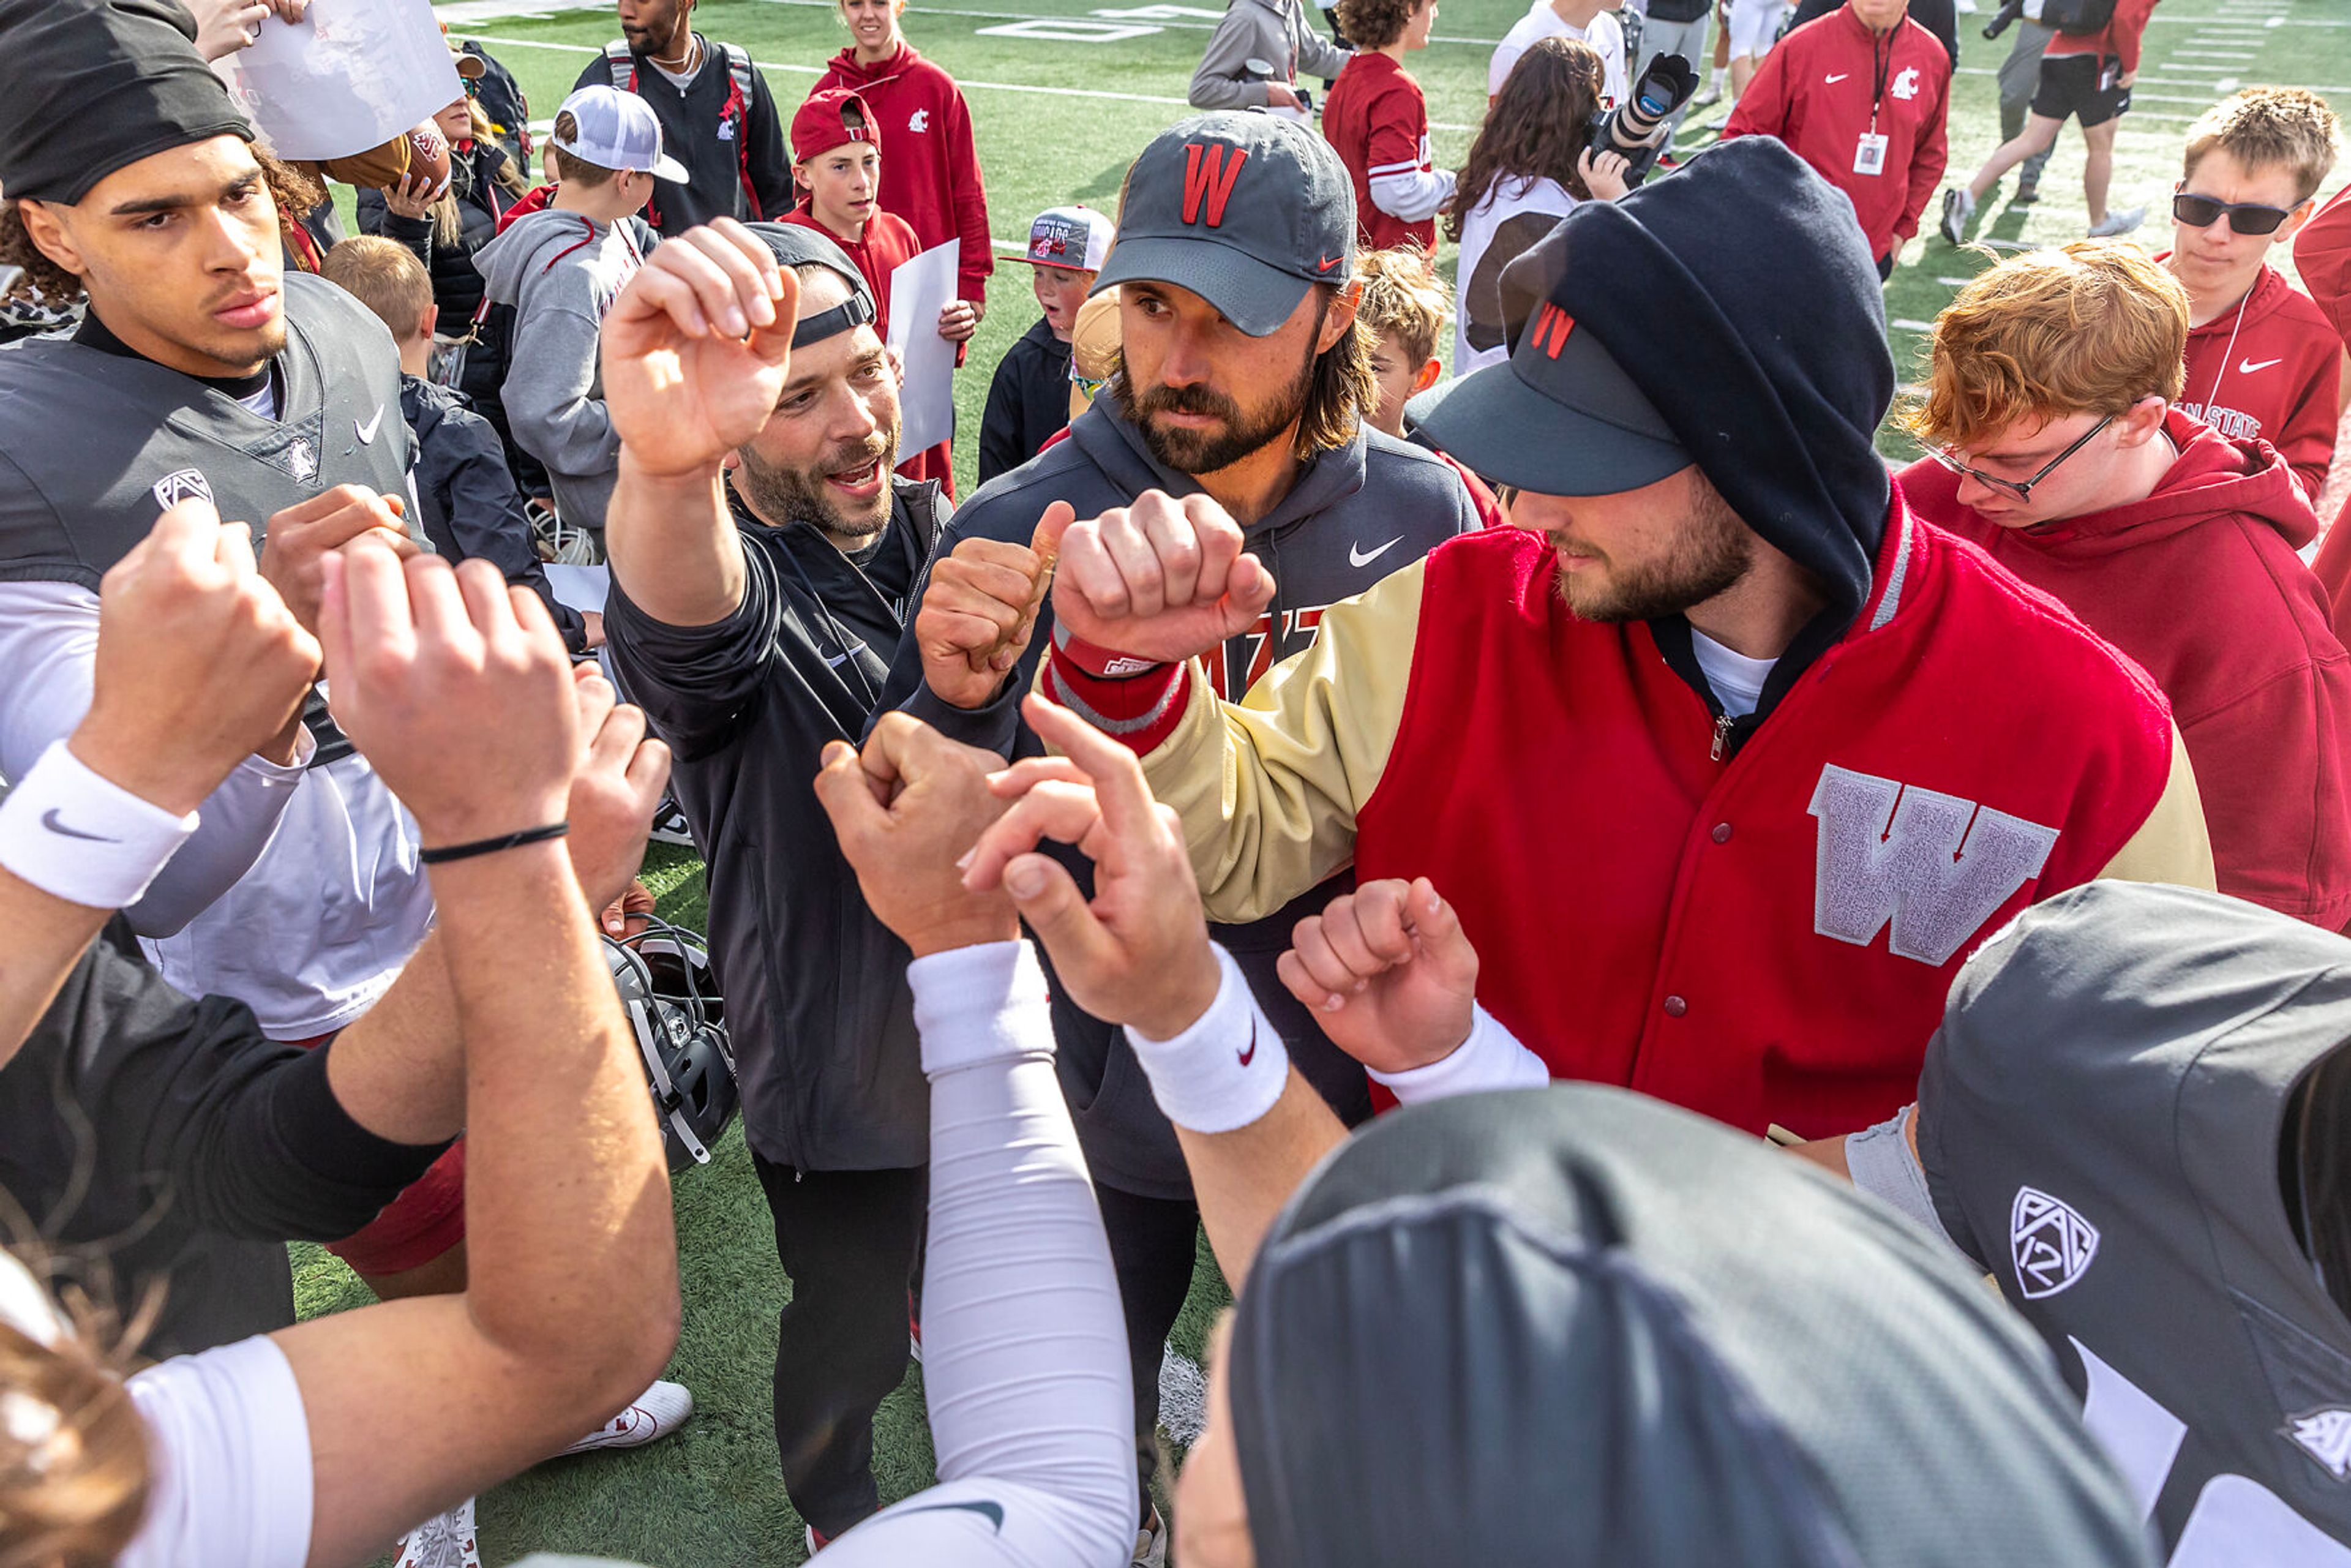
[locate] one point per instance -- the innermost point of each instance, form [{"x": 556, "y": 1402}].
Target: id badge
[{"x": 1869, "y": 158}]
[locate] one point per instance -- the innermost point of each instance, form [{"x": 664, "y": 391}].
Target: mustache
[
  {"x": 841, "y": 459},
  {"x": 1189, "y": 400}
]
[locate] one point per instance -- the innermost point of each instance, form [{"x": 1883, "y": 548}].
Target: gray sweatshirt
[
  {"x": 562, "y": 271},
  {"x": 1273, "y": 31}
]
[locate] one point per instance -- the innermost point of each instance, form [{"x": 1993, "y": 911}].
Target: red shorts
[{"x": 426, "y": 1220}]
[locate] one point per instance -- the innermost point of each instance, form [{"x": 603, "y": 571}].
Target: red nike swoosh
[
  {"x": 1250, "y": 1055},
  {"x": 1326, "y": 264}
]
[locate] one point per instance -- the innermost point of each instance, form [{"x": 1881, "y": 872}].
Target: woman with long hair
[{"x": 1530, "y": 166}]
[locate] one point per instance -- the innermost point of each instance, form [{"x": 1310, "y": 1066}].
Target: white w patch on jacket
[{"x": 1934, "y": 866}]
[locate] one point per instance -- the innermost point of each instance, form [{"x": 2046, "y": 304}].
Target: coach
[{"x": 1725, "y": 759}]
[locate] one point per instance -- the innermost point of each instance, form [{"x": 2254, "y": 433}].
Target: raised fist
[
  {"x": 1388, "y": 972},
  {"x": 696, "y": 347},
  {"x": 1161, "y": 580}
]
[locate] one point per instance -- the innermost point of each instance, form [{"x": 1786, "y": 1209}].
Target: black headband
[{"x": 846, "y": 316}]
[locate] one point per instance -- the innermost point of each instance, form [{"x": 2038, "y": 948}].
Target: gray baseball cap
[
  {"x": 1560, "y": 417},
  {"x": 1245, "y": 210}
]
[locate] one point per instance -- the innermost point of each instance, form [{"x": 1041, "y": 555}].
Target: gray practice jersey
[
  {"x": 2101, "y": 1121},
  {"x": 94, "y": 445}
]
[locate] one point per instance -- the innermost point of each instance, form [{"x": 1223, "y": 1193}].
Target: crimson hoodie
[
  {"x": 2270, "y": 368},
  {"x": 2120, "y": 37},
  {"x": 1818, "y": 92},
  {"x": 930, "y": 171},
  {"x": 2321, "y": 253},
  {"x": 2200, "y": 583}
]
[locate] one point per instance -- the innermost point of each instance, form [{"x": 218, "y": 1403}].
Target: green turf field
[{"x": 1064, "y": 93}]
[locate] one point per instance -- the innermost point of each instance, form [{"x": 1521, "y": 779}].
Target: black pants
[
  {"x": 1152, "y": 1244},
  {"x": 847, "y": 1240}
]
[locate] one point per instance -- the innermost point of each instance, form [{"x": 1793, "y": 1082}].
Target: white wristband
[
  {"x": 83, "y": 838},
  {"x": 1227, "y": 1070},
  {"x": 1491, "y": 1058}
]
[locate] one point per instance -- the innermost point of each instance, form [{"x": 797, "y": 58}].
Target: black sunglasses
[
  {"x": 2020, "y": 488},
  {"x": 2244, "y": 217}
]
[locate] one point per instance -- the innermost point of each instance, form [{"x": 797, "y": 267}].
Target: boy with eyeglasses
[
  {"x": 2261, "y": 358},
  {"x": 2059, "y": 448}
]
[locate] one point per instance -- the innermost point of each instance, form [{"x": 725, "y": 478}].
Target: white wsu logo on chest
[{"x": 1936, "y": 866}]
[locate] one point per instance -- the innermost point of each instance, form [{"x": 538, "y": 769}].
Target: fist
[
  {"x": 979, "y": 611},
  {"x": 907, "y": 811},
  {"x": 1388, "y": 972},
  {"x": 1162, "y": 579}
]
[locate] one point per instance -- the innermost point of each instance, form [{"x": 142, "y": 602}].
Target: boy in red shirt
[
  {"x": 1376, "y": 119},
  {"x": 2086, "y": 76},
  {"x": 1861, "y": 95},
  {"x": 2261, "y": 358},
  {"x": 2059, "y": 453},
  {"x": 933, "y": 180},
  {"x": 836, "y": 167}
]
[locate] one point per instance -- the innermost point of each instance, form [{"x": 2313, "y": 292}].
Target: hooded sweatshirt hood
[
  {"x": 2260, "y": 687},
  {"x": 2101, "y": 1121},
  {"x": 844, "y": 65}
]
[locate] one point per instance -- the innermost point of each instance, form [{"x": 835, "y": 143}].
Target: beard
[
  {"x": 1245, "y": 431},
  {"x": 781, "y": 496},
  {"x": 1712, "y": 551}
]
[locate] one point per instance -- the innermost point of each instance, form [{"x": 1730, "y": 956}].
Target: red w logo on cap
[
  {"x": 1207, "y": 176},
  {"x": 1552, "y": 326}
]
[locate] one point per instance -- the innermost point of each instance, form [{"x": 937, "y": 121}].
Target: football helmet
[{"x": 671, "y": 994}]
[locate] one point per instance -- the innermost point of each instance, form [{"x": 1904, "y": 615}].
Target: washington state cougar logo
[
  {"x": 186, "y": 485},
  {"x": 1934, "y": 866},
  {"x": 2051, "y": 1245},
  {"x": 2325, "y": 1435}
]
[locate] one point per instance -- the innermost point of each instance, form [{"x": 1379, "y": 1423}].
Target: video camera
[{"x": 1636, "y": 127}]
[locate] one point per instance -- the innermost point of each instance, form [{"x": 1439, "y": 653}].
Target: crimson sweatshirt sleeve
[
  {"x": 2129, "y": 31},
  {"x": 969, "y": 194},
  {"x": 2307, "y": 440},
  {"x": 1765, "y": 108},
  {"x": 1934, "y": 155},
  {"x": 2321, "y": 253}
]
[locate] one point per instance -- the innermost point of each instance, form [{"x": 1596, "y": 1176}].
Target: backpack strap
[
  {"x": 741, "y": 85},
  {"x": 622, "y": 64}
]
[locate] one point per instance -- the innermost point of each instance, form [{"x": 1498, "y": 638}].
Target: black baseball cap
[
  {"x": 1559, "y": 417},
  {"x": 795, "y": 245},
  {"x": 1247, "y": 211}
]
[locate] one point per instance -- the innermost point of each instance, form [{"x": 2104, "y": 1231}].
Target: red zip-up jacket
[
  {"x": 2271, "y": 367},
  {"x": 2259, "y": 684},
  {"x": 1762, "y": 936},
  {"x": 2121, "y": 37},
  {"x": 929, "y": 171},
  {"x": 1818, "y": 92},
  {"x": 2321, "y": 253}
]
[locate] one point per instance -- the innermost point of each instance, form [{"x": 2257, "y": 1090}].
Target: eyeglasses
[
  {"x": 2020, "y": 488},
  {"x": 2244, "y": 217}
]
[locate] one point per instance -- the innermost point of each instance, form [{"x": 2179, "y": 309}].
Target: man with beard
[
  {"x": 1725, "y": 759},
  {"x": 717, "y": 116},
  {"x": 761, "y": 554},
  {"x": 1243, "y": 386}
]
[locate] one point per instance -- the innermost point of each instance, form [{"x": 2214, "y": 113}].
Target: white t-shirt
[
  {"x": 1506, "y": 198},
  {"x": 230, "y": 1455},
  {"x": 1738, "y": 680},
  {"x": 1603, "y": 33}
]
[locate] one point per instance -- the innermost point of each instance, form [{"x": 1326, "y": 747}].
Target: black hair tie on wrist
[{"x": 448, "y": 852}]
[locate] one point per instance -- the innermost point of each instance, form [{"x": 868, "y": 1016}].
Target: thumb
[
  {"x": 1041, "y": 889},
  {"x": 1446, "y": 946},
  {"x": 1248, "y": 591},
  {"x": 1047, "y": 540}
]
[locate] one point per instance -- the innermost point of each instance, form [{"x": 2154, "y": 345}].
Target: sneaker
[
  {"x": 914, "y": 1331},
  {"x": 657, "y": 1412},
  {"x": 669, "y": 824},
  {"x": 1707, "y": 95},
  {"x": 1151, "y": 1542},
  {"x": 817, "y": 1539},
  {"x": 1958, "y": 210},
  {"x": 1668, "y": 163},
  {"x": 445, "y": 1540},
  {"x": 2120, "y": 223},
  {"x": 2027, "y": 192}
]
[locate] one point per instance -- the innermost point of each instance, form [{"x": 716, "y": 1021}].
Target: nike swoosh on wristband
[
  {"x": 1359, "y": 557},
  {"x": 1250, "y": 1055},
  {"x": 991, "y": 1512},
  {"x": 1838, "y": 77},
  {"x": 2247, "y": 367},
  {"x": 49, "y": 821},
  {"x": 367, "y": 431}
]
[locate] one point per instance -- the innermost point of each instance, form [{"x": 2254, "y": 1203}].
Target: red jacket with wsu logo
[
  {"x": 2270, "y": 368},
  {"x": 1818, "y": 92},
  {"x": 2259, "y": 684},
  {"x": 1376, "y": 119},
  {"x": 1765, "y": 937},
  {"x": 929, "y": 171},
  {"x": 2321, "y": 253}
]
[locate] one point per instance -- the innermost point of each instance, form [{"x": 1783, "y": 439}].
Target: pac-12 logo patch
[
  {"x": 2051, "y": 1245},
  {"x": 187, "y": 483},
  {"x": 2324, "y": 1435}
]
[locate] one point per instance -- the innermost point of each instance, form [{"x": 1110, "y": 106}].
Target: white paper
[
  {"x": 919, "y": 290},
  {"x": 583, "y": 587},
  {"x": 351, "y": 75}
]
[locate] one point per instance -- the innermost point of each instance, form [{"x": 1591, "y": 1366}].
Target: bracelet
[
  {"x": 1225, "y": 1071},
  {"x": 447, "y": 853},
  {"x": 78, "y": 835}
]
